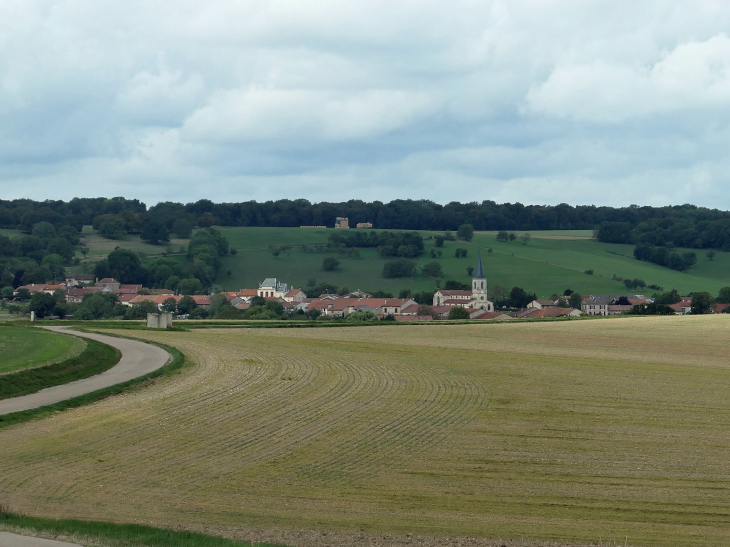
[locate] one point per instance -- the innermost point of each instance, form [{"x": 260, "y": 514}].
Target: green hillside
[{"x": 551, "y": 262}]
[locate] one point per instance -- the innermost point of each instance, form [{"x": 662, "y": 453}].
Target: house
[
  {"x": 476, "y": 298},
  {"x": 598, "y": 304},
  {"x": 542, "y": 313},
  {"x": 488, "y": 315},
  {"x": 32, "y": 288},
  {"x": 272, "y": 288},
  {"x": 542, "y": 304},
  {"x": 108, "y": 283},
  {"x": 295, "y": 295},
  {"x": 74, "y": 280},
  {"x": 201, "y": 301},
  {"x": 720, "y": 308},
  {"x": 684, "y": 307},
  {"x": 128, "y": 289},
  {"x": 342, "y": 222},
  {"x": 76, "y": 294},
  {"x": 364, "y": 225}
]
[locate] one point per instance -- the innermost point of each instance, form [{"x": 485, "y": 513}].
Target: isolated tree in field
[
  {"x": 439, "y": 241},
  {"x": 489, "y": 251},
  {"x": 458, "y": 312},
  {"x": 702, "y": 303},
  {"x": 330, "y": 264},
  {"x": 432, "y": 269},
  {"x": 724, "y": 296},
  {"x": 502, "y": 235},
  {"x": 460, "y": 253},
  {"x": 525, "y": 238},
  {"x": 710, "y": 255},
  {"x": 512, "y": 236},
  {"x": 470, "y": 270},
  {"x": 465, "y": 232}
]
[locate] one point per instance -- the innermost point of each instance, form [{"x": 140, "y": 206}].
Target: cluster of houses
[{"x": 474, "y": 301}]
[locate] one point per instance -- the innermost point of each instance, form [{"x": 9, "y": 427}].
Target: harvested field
[{"x": 565, "y": 431}]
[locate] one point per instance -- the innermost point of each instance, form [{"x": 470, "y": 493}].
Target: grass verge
[
  {"x": 177, "y": 362},
  {"x": 95, "y": 359},
  {"x": 106, "y": 534}
]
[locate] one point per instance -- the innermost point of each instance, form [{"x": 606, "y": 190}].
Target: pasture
[
  {"x": 22, "y": 347},
  {"x": 584, "y": 430},
  {"x": 551, "y": 262}
]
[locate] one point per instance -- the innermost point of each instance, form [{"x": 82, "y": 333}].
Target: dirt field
[{"x": 586, "y": 431}]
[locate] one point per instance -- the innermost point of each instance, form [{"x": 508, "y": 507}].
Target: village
[{"x": 471, "y": 304}]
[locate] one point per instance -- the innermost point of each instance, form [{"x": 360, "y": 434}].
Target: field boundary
[
  {"x": 96, "y": 358},
  {"x": 178, "y": 362}
]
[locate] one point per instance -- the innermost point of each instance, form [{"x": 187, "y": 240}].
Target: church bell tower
[{"x": 479, "y": 288}]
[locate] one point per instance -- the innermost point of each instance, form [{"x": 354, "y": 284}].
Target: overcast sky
[{"x": 607, "y": 102}]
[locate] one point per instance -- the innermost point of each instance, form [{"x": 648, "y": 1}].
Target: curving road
[
  {"x": 14, "y": 540},
  {"x": 137, "y": 360}
]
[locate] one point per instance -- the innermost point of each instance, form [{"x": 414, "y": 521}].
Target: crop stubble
[{"x": 571, "y": 430}]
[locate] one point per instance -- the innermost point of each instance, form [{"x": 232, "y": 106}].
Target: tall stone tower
[{"x": 479, "y": 288}]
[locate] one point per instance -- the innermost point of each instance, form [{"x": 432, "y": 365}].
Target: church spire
[{"x": 480, "y": 270}]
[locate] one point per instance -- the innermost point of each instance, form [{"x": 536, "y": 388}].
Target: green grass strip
[
  {"x": 113, "y": 535},
  {"x": 95, "y": 359},
  {"x": 178, "y": 361}
]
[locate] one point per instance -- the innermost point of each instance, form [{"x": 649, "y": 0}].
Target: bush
[
  {"x": 399, "y": 268},
  {"x": 432, "y": 269},
  {"x": 465, "y": 232},
  {"x": 461, "y": 253},
  {"x": 330, "y": 264},
  {"x": 589, "y": 272},
  {"x": 458, "y": 312}
]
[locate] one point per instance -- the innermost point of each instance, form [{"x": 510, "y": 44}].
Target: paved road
[
  {"x": 137, "y": 360},
  {"x": 13, "y": 540}
]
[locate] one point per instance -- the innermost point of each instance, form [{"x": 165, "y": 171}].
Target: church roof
[{"x": 480, "y": 270}]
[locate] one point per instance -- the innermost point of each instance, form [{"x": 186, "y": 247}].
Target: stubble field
[{"x": 577, "y": 431}]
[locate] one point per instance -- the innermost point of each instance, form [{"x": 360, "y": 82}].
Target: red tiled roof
[
  {"x": 200, "y": 300},
  {"x": 108, "y": 280},
  {"x": 294, "y": 292}
]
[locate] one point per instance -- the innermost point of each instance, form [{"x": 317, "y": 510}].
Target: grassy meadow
[
  {"x": 589, "y": 431},
  {"x": 22, "y": 347},
  {"x": 550, "y": 263}
]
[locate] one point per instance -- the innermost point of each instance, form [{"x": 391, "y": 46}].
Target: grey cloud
[{"x": 586, "y": 102}]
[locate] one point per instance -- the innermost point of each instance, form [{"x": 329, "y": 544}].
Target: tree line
[{"x": 681, "y": 224}]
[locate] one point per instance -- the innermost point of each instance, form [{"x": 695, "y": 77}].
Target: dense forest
[{"x": 686, "y": 225}]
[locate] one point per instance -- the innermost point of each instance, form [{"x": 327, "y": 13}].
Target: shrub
[
  {"x": 399, "y": 268},
  {"x": 432, "y": 269},
  {"x": 330, "y": 264},
  {"x": 461, "y": 253},
  {"x": 458, "y": 312}
]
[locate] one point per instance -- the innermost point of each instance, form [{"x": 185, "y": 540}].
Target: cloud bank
[{"x": 539, "y": 101}]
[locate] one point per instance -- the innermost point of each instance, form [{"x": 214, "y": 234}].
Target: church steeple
[{"x": 480, "y": 270}]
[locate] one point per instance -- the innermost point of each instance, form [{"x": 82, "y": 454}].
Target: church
[{"x": 476, "y": 298}]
